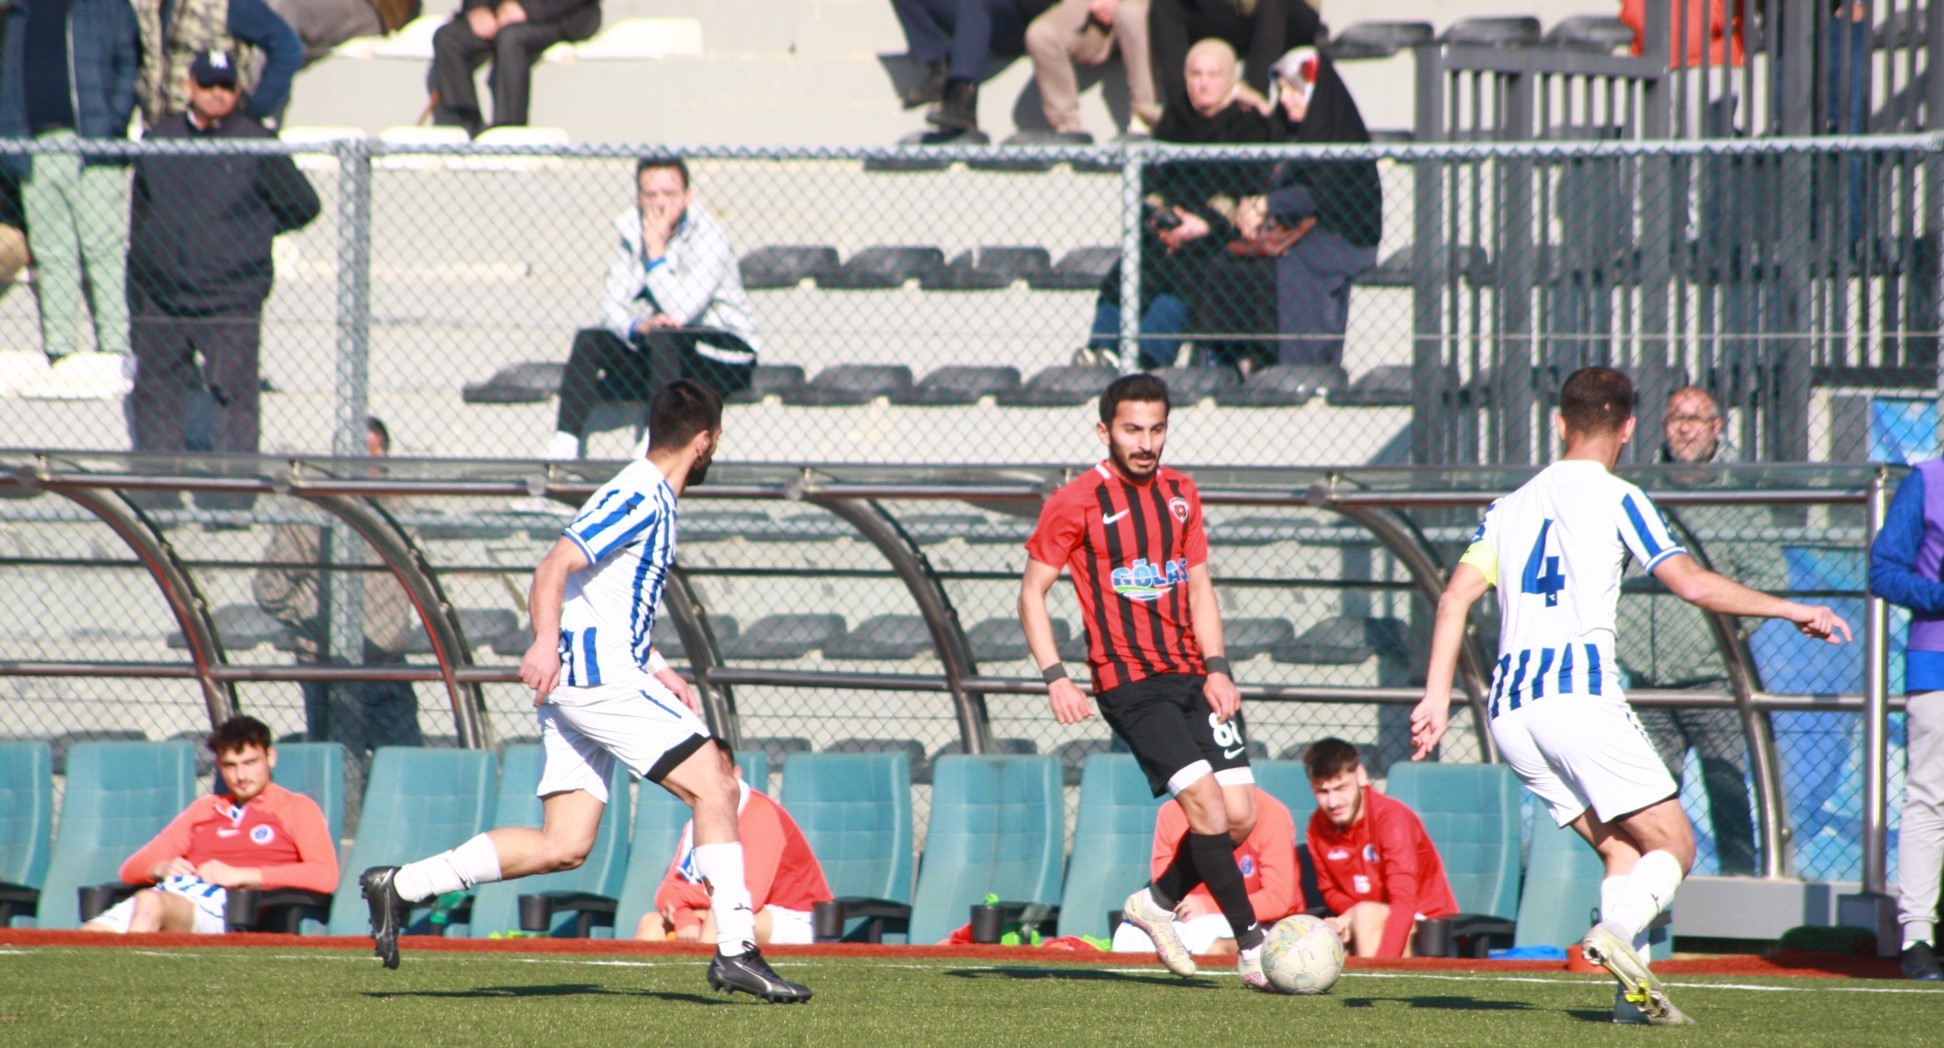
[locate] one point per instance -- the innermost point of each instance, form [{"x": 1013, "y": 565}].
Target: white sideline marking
[{"x": 1487, "y": 977}]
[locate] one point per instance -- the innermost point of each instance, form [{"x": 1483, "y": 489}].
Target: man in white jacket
[{"x": 674, "y": 307}]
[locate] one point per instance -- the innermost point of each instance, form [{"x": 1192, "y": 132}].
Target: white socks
[
  {"x": 721, "y": 866},
  {"x": 1612, "y": 890},
  {"x": 1643, "y": 893},
  {"x": 474, "y": 862},
  {"x": 1919, "y": 931},
  {"x": 564, "y": 447}
]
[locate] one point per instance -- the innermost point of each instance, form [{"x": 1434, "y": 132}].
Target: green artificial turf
[{"x": 249, "y": 997}]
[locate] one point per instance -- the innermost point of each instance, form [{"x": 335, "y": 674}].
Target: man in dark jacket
[
  {"x": 513, "y": 33},
  {"x": 68, "y": 70},
  {"x": 199, "y": 264}
]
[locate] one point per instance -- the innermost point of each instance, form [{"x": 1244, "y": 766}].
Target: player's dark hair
[
  {"x": 662, "y": 162},
  {"x": 238, "y": 734},
  {"x": 374, "y": 424},
  {"x": 680, "y": 411},
  {"x": 1328, "y": 758},
  {"x": 1139, "y": 387},
  {"x": 1596, "y": 400}
]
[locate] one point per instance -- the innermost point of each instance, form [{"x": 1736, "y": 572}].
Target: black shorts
[{"x": 1166, "y": 721}]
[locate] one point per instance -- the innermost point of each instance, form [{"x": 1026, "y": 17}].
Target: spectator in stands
[
  {"x": 1267, "y": 857},
  {"x": 785, "y": 880},
  {"x": 1377, "y": 868},
  {"x": 13, "y": 236},
  {"x": 67, "y": 72},
  {"x": 1259, "y": 30},
  {"x": 1720, "y": 35},
  {"x": 1186, "y": 202},
  {"x": 674, "y": 307},
  {"x": 1317, "y": 227},
  {"x": 1087, "y": 32},
  {"x": 952, "y": 40},
  {"x": 199, "y": 266},
  {"x": 265, "y": 51},
  {"x": 362, "y": 715},
  {"x": 1904, "y": 570},
  {"x": 513, "y": 34},
  {"x": 1664, "y": 642},
  {"x": 256, "y": 835},
  {"x": 324, "y": 24}
]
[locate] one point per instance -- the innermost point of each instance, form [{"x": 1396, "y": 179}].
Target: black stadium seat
[
  {"x": 482, "y": 626},
  {"x": 668, "y": 639},
  {"x": 1600, "y": 34},
  {"x": 528, "y": 383},
  {"x": 988, "y": 269},
  {"x": 847, "y": 384},
  {"x": 1345, "y": 640},
  {"x": 1000, "y": 640},
  {"x": 1286, "y": 385},
  {"x": 1192, "y": 385},
  {"x": 1521, "y": 31},
  {"x": 1387, "y": 386},
  {"x": 776, "y": 747},
  {"x": 1073, "y": 756},
  {"x": 877, "y": 268},
  {"x": 1060, "y": 386},
  {"x": 1246, "y": 638},
  {"x": 888, "y": 637},
  {"x": 768, "y": 380},
  {"x": 961, "y": 384},
  {"x": 786, "y": 265},
  {"x": 1082, "y": 269},
  {"x": 930, "y": 528},
  {"x": 784, "y": 637},
  {"x": 1377, "y": 39}
]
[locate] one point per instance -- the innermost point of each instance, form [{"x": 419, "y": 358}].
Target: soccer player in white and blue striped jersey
[
  {"x": 1555, "y": 548},
  {"x": 604, "y": 695}
]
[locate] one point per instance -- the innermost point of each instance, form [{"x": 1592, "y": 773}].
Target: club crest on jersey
[
  {"x": 1370, "y": 853},
  {"x": 1179, "y": 507},
  {"x": 261, "y": 834},
  {"x": 1247, "y": 864},
  {"x": 1143, "y": 581}
]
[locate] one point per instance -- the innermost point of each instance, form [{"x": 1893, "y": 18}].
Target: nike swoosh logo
[
  {"x": 1115, "y": 517},
  {"x": 1234, "y": 753}
]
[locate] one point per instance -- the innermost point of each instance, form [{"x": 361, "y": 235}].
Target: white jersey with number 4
[{"x": 1555, "y": 549}]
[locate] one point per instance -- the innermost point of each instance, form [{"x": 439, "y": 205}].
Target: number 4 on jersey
[{"x": 1541, "y": 574}]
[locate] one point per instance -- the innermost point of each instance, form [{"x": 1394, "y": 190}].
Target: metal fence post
[
  {"x": 1434, "y": 393},
  {"x": 344, "y": 548},
  {"x": 1876, "y": 707},
  {"x": 1133, "y": 161}
]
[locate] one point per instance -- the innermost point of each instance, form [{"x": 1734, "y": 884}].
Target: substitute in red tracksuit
[
  {"x": 259, "y": 835},
  {"x": 1375, "y": 865},
  {"x": 785, "y": 880}
]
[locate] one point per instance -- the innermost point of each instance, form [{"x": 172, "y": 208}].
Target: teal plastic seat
[
  {"x": 316, "y": 770},
  {"x": 855, "y": 810},
  {"x": 1562, "y": 886},
  {"x": 1288, "y": 782},
  {"x": 26, "y": 825},
  {"x": 658, "y": 822},
  {"x": 119, "y": 796},
  {"x": 1471, "y": 812},
  {"x": 418, "y": 802},
  {"x": 1113, "y": 843},
  {"x": 495, "y": 907},
  {"x": 997, "y": 826}
]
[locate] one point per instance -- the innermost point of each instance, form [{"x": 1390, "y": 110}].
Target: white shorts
[
  {"x": 583, "y": 731},
  {"x": 208, "y": 899},
  {"x": 1196, "y": 933},
  {"x": 1580, "y": 751},
  {"x": 790, "y": 927}
]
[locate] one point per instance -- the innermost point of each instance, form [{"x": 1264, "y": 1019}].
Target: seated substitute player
[
  {"x": 1130, "y": 530},
  {"x": 604, "y": 695},
  {"x": 785, "y": 880},
  {"x": 1267, "y": 859},
  {"x": 1555, "y": 549},
  {"x": 259, "y": 835},
  {"x": 1376, "y": 867}
]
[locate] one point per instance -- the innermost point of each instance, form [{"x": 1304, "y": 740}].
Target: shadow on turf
[
  {"x": 1447, "y": 1003},
  {"x": 1078, "y": 974},
  {"x": 559, "y": 990}
]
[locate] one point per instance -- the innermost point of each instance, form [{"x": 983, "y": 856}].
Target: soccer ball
[{"x": 1302, "y": 955}]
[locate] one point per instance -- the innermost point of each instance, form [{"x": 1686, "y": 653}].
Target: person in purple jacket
[{"x": 1904, "y": 565}]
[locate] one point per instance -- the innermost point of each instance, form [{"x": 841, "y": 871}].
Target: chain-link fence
[
  {"x": 1381, "y": 304},
  {"x": 833, "y": 608}
]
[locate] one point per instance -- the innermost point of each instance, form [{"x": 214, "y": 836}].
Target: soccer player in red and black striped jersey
[{"x": 1130, "y": 531}]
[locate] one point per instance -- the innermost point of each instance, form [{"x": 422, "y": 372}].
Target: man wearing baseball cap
[
  {"x": 263, "y": 49},
  {"x": 199, "y": 263}
]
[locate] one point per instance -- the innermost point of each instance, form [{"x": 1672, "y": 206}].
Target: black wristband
[
  {"x": 1218, "y": 664},
  {"x": 1057, "y": 671}
]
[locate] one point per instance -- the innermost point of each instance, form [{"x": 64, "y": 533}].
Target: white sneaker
[
  {"x": 1608, "y": 948},
  {"x": 1141, "y": 911},
  {"x": 20, "y": 369},
  {"x": 1248, "y": 965},
  {"x": 84, "y": 376},
  {"x": 564, "y": 447}
]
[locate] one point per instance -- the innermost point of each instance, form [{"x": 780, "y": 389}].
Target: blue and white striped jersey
[
  {"x": 627, "y": 532},
  {"x": 1555, "y": 549}
]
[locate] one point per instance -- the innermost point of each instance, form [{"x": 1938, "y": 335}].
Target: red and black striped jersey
[{"x": 1129, "y": 547}]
